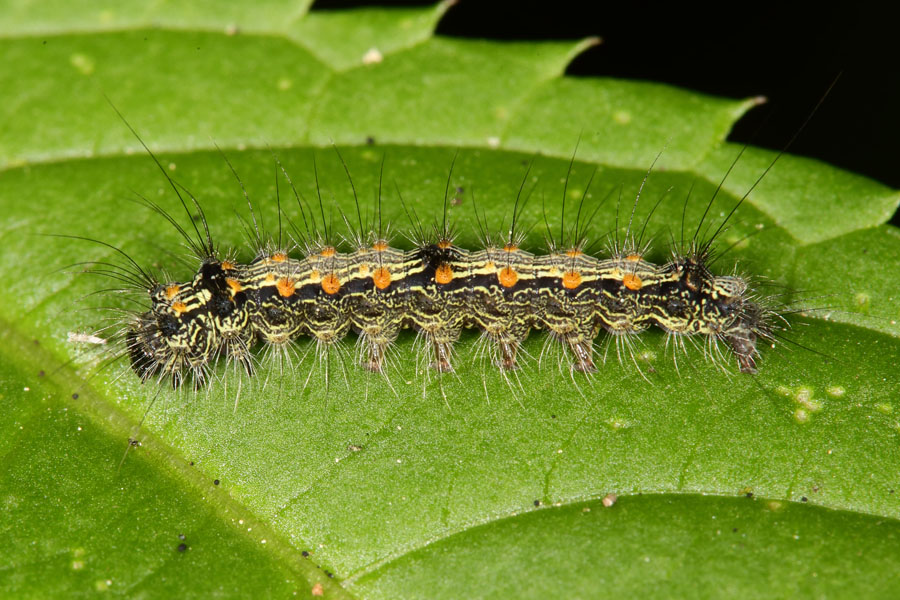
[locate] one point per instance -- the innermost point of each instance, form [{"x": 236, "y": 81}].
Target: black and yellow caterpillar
[{"x": 438, "y": 289}]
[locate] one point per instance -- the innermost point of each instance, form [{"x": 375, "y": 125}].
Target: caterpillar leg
[
  {"x": 744, "y": 347},
  {"x": 507, "y": 342},
  {"x": 582, "y": 349},
  {"x": 441, "y": 342},
  {"x": 508, "y": 349},
  {"x": 377, "y": 341},
  {"x": 442, "y": 353},
  {"x": 237, "y": 348},
  {"x": 375, "y": 356}
]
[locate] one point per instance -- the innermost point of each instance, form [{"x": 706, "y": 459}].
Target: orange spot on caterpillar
[
  {"x": 179, "y": 307},
  {"x": 632, "y": 281},
  {"x": 270, "y": 277},
  {"x": 510, "y": 247},
  {"x": 443, "y": 274},
  {"x": 227, "y": 265},
  {"x": 571, "y": 280},
  {"x": 633, "y": 257},
  {"x": 279, "y": 257},
  {"x": 285, "y": 287},
  {"x": 380, "y": 246},
  {"x": 382, "y": 278},
  {"x": 234, "y": 284},
  {"x": 327, "y": 251},
  {"x": 573, "y": 252},
  {"x": 172, "y": 290},
  {"x": 331, "y": 284},
  {"x": 507, "y": 277},
  {"x": 444, "y": 244}
]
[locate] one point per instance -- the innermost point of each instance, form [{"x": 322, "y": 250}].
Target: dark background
[{"x": 790, "y": 53}]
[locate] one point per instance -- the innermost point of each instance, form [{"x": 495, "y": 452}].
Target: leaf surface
[{"x": 423, "y": 485}]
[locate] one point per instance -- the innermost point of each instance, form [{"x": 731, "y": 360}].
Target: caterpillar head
[
  {"x": 182, "y": 330},
  {"x": 743, "y": 320},
  {"x": 720, "y": 307}
]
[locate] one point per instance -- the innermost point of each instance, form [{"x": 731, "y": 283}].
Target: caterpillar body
[{"x": 438, "y": 289}]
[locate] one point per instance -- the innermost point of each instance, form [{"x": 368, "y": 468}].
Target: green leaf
[
  {"x": 717, "y": 546},
  {"x": 423, "y": 485},
  {"x": 75, "y": 522}
]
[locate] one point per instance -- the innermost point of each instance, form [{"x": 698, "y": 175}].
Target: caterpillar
[{"x": 436, "y": 288}]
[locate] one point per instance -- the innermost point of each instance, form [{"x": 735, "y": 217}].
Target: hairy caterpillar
[{"x": 436, "y": 288}]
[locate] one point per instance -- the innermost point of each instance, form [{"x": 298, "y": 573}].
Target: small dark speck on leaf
[
  {"x": 192, "y": 463},
  {"x": 305, "y": 554},
  {"x": 750, "y": 495},
  {"x": 329, "y": 573},
  {"x": 734, "y": 530},
  {"x": 215, "y": 482},
  {"x": 537, "y": 502},
  {"x": 41, "y": 373},
  {"x": 74, "y": 396},
  {"x": 803, "y": 499},
  {"x": 370, "y": 141},
  {"x": 552, "y": 416},
  {"x": 182, "y": 547},
  {"x": 890, "y": 491}
]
